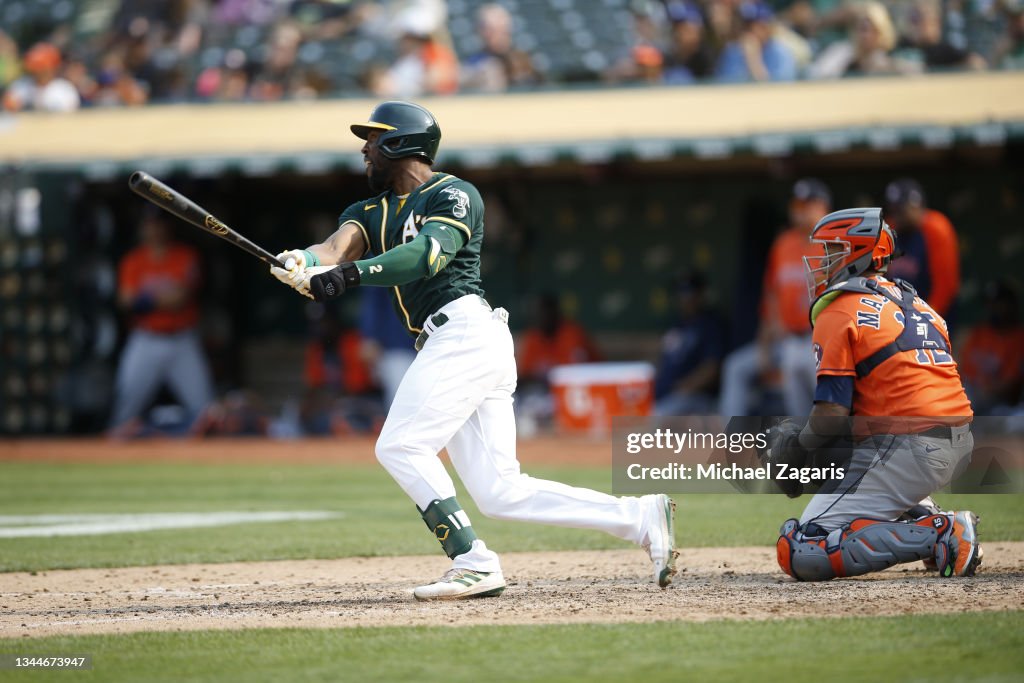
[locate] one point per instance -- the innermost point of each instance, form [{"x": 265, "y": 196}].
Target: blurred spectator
[
  {"x": 498, "y": 66},
  {"x": 688, "y": 57},
  {"x": 784, "y": 333},
  {"x": 686, "y": 382},
  {"x": 246, "y": 12},
  {"x": 10, "y": 65},
  {"x": 115, "y": 86},
  {"x": 387, "y": 347},
  {"x": 924, "y": 41},
  {"x": 868, "y": 49},
  {"x": 1009, "y": 51},
  {"x": 42, "y": 89},
  {"x": 227, "y": 83},
  {"x": 722, "y": 22},
  {"x": 339, "y": 385},
  {"x": 278, "y": 73},
  {"x": 239, "y": 413},
  {"x": 991, "y": 359},
  {"x": 930, "y": 252},
  {"x": 756, "y": 55},
  {"x": 553, "y": 340},
  {"x": 424, "y": 66},
  {"x": 643, "y": 60},
  {"x": 158, "y": 285},
  {"x": 78, "y": 73}
]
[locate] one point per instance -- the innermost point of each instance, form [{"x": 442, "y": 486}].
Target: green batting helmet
[{"x": 406, "y": 130}]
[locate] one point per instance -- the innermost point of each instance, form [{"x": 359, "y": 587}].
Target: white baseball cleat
[
  {"x": 458, "y": 584},
  {"x": 659, "y": 536}
]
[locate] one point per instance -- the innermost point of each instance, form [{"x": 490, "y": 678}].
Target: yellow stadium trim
[
  {"x": 450, "y": 221},
  {"x": 384, "y": 248}
]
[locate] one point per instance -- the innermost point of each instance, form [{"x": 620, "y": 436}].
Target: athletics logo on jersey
[
  {"x": 410, "y": 230},
  {"x": 461, "y": 200}
]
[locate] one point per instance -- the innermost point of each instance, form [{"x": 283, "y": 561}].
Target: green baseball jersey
[{"x": 445, "y": 203}]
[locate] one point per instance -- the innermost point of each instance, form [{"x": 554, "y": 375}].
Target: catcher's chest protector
[{"x": 919, "y": 332}]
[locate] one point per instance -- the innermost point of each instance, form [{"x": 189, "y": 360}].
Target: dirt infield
[{"x": 553, "y": 587}]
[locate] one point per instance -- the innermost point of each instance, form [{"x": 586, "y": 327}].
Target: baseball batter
[
  {"x": 881, "y": 351},
  {"x": 420, "y": 236}
]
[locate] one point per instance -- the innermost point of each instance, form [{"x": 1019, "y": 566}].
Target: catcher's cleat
[
  {"x": 460, "y": 584},
  {"x": 660, "y": 539},
  {"x": 964, "y": 552}
]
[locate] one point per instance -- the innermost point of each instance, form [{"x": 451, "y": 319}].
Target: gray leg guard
[
  {"x": 864, "y": 545},
  {"x": 450, "y": 524}
]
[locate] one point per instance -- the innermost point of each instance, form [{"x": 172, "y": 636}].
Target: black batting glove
[{"x": 334, "y": 282}]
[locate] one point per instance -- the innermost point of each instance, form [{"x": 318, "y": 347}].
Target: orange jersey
[
  {"x": 345, "y": 370},
  {"x": 915, "y": 382},
  {"x": 785, "y": 284},
  {"x": 942, "y": 259},
  {"x": 143, "y": 273},
  {"x": 569, "y": 345},
  {"x": 993, "y": 356}
]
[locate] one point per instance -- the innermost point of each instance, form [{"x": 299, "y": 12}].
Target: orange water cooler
[{"x": 588, "y": 395}]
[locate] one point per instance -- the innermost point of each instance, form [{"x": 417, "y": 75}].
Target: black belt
[
  {"x": 435, "y": 321},
  {"x": 940, "y": 431}
]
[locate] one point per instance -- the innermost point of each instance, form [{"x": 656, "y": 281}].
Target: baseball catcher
[
  {"x": 881, "y": 351},
  {"x": 420, "y": 236}
]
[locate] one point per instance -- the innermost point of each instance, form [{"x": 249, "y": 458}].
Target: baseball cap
[
  {"x": 755, "y": 11},
  {"x": 904, "y": 192},
  {"x": 808, "y": 189},
  {"x": 41, "y": 57},
  {"x": 684, "y": 12}
]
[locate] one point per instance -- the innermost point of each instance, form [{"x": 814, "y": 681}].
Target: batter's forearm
[
  {"x": 399, "y": 266},
  {"x": 345, "y": 244}
]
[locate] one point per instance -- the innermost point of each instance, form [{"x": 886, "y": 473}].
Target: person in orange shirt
[
  {"x": 340, "y": 395},
  {"x": 552, "y": 341},
  {"x": 882, "y": 353},
  {"x": 783, "y": 337},
  {"x": 930, "y": 252},
  {"x": 158, "y": 283},
  {"x": 992, "y": 358}
]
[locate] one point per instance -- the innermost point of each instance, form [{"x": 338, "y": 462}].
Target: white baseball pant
[{"x": 458, "y": 394}]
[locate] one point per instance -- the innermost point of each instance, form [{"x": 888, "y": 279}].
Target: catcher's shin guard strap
[
  {"x": 865, "y": 545},
  {"x": 450, "y": 525}
]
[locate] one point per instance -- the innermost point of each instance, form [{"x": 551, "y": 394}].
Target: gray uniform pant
[
  {"x": 888, "y": 474},
  {"x": 795, "y": 357},
  {"x": 149, "y": 360}
]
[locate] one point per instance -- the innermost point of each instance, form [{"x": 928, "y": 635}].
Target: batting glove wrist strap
[
  {"x": 310, "y": 258},
  {"x": 334, "y": 282}
]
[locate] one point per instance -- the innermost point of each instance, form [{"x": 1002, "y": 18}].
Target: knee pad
[
  {"x": 450, "y": 525},
  {"x": 863, "y": 546}
]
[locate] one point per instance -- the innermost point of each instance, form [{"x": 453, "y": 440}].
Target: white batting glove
[{"x": 295, "y": 264}]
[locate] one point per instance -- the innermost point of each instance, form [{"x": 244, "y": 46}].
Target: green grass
[
  {"x": 950, "y": 648},
  {"x": 378, "y": 518}
]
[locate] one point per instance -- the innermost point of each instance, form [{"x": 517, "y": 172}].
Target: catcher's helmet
[
  {"x": 853, "y": 241},
  {"x": 406, "y": 129}
]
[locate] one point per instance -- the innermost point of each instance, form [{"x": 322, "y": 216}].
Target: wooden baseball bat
[{"x": 172, "y": 201}]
